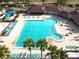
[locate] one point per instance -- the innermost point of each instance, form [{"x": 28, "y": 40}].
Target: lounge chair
[
  {"x": 13, "y": 56},
  {"x": 71, "y": 47},
  {"x": 18, "y": 56},
  {"x": 2, "y": 16},
  {"x": 69, "y": 33},
  {"x": 7, "y": 33},
  {"x": 28, "y": 56},
  {"x": 39, "y": 56},
  {"x": 77, "y": 39},
  {"x": 1, "y": 41},
  {"x": 66, "y": 35},
  {"x": 23, "y": 55}
]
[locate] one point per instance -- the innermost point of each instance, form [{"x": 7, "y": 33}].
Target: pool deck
[
  {"x": 67, "y": 40},
  {"x": 10, "y": 40},
  {"x": 3, "y": 26}
]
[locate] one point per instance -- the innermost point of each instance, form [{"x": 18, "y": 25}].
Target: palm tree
[
  {"x": 43, "y": 1},
  {"x": 76, "y": 6},
  {"x": 57, "y": 53},
  {"x": 42, "y": 44},
  {"x": 29, "y": 43},
  {"x": 61, "y": 2},
  {"x": 53, "y": 52},
  {"x": 63, "y": 54},
  {"x": 27, "y": 2},
  {"x": 4, "y": 52}
]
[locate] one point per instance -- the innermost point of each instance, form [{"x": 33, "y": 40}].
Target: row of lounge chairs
[
  {"x": 35, "y": 17},
  {"x": 69, "y": 30},
  {"x": 8, "y": 29},
  {"x": 76, "y": 38},
  {"x": 72, "y": 48},
  {"x": 26, "y": 56}
]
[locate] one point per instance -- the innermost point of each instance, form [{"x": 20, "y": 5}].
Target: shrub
[
  {"x": 70, "y": 5},
  {"x": 77, "y": 5}
]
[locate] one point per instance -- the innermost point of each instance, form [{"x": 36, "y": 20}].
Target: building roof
[
  {"x": 47, "y": 9},
  {"x": 36, "y": 9},
  {"x": 3, "y": 0},
  {"x": 66, "y": 9},
  {"x": 52, "y": 9},
  {"x": 65, "y": 14},
  {"x": 74, "y": 12},
  {"x": 75, "y": 18}
]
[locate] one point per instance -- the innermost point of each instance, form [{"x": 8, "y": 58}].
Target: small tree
[
  {"x": 76, "y": 6},
  {"x": 43, "y": 1},
  {"x": 4, "y": 52},
  {"x": 53, "y": 52},
  {"x": 57, "y": 53},
  {"x": 29, "y": 43},
  {"x": 27, "y": 2},
  {"x": 42, "y": 44},
  {"x": 61, "y": 2},
  {"x": 63, "y": 54}
]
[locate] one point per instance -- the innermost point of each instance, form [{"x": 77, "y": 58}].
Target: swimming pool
[
  {"x": 37, "y": 29},
  {"x": 10, "y": 13}
]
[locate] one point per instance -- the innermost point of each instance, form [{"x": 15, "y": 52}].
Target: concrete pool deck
[
  {"x": 10, "y": 40},
  {"x": 3, "y": 26},
  {"x": 67, "y": 40}
]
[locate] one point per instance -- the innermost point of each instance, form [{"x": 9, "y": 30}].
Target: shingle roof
[
  {"x": 52, "y": 9},
  {"x": 36, "y": 9},
  {"x": 75, "y": 18}
]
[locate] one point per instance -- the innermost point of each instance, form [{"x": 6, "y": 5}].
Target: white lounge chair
[
  {"x": 11, "y": 18},
  {"x": 2, "y": 16}
]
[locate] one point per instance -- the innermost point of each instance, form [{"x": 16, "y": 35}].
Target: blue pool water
[
  {"x": 38, "y": 29},
  {"x": 10, "y": 13}
]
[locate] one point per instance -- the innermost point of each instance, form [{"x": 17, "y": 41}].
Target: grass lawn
[{"x": 54, "y": 1}]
